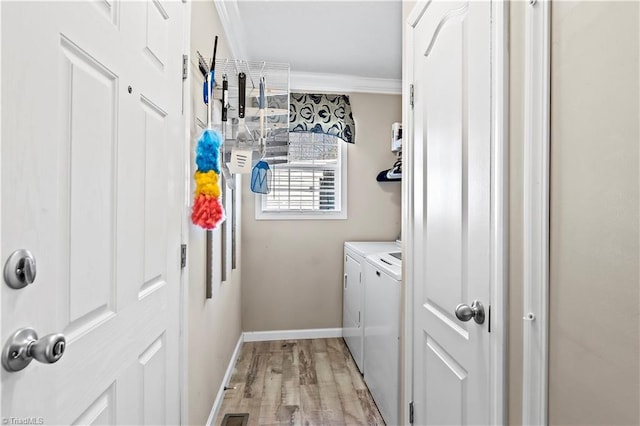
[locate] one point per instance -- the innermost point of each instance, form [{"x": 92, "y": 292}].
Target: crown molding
[
  {"x": 229, "y": 15},
  {"x": 326, "y": 82},
  {"x": 232, "y": 26}
]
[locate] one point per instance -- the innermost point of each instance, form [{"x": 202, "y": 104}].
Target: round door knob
[
  {"x": 465, "y": 312},
  {"x": 24, "y": 346},
  {"x": 48, "y": 349}
]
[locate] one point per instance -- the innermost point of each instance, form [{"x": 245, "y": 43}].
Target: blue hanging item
[
  {"x": 210, "y": 78},
  {"x": 259, "y": 178}
]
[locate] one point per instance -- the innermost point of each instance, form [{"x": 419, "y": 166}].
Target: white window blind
[{"x": 310, "y": 182}]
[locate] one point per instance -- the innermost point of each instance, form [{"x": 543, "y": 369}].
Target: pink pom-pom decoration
[{"x": 207, "y": 211}]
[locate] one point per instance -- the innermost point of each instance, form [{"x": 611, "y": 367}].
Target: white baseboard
[
  {"x": 313, "y": 333},
  {"x": 225, "y": 380}
]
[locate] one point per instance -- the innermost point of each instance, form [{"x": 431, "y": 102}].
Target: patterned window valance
[{"x": 329, "y": 114}]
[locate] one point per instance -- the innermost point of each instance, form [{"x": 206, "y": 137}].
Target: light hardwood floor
[{"x": 299, "y": 382}]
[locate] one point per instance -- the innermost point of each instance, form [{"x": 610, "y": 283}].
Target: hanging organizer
[{"x": 273, "y": 148}]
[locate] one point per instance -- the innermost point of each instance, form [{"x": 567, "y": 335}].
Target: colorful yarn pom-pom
[
  {"x": 207, "y": 151},
  {"x": 207, "y": 183},
  {"x": 207, "y": 209}
]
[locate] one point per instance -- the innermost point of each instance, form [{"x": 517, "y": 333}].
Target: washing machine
[
  {"x": 353, "y": 311},
  {"x": 383, "y": 289}
]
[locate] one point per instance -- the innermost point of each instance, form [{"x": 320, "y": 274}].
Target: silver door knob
[
  {"x": 20, "y": 269},
  {"x": 24, "y": 346},
  {"x": 466, "y": 312}
]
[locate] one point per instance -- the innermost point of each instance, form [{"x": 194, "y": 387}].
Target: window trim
[{"x": 315, "y": 215}]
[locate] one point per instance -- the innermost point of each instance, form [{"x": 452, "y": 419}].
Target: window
[{"x": 312, "y": 184}]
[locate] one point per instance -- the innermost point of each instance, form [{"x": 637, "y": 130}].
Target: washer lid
[
  {"x": 365, "y": 248},
  {"x": 387, "y": 263}
]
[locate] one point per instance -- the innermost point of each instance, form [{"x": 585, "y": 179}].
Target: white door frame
[
  {"x": 186, "y": 215},
  {"x": 536, "y": 213},
  {"x": 1, "y": 416},
  {"x": 406, "y": 231},
  {"x": 499, "y": 204}
]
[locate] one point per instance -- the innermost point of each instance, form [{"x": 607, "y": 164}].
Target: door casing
[
  {"x": 536, "y": 193},
  {"x": 186, "y": 215},
  {"x": 499, "y": 204}
]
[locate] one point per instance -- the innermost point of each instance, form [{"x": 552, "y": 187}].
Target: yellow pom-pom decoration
[{"x": 207, "y": 183}]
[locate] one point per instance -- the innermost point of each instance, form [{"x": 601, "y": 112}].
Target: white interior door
[
  {"x": 452, "y": 211},
  {"x": 92, "y": 184}
]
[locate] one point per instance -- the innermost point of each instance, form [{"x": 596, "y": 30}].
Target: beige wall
[
  {"x": 292, "y": 270},
  {"x": 593, "y": 376},
  {"x": 214, "y": 324},
  {"x": 594, "y": 304}
]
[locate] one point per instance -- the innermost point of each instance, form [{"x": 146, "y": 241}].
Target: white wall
[
  {"x": 292, "y": 270},
  {"x": 214, "y": 324}
]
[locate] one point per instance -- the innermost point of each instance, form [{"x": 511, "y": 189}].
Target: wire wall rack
[{"x": 267, "y": 138}]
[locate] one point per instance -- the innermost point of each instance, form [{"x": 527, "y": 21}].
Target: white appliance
[
  {"x": 383, "y": 280},
  {"x": 353, "y": 313},
  {"x": 396, "y": 137}
]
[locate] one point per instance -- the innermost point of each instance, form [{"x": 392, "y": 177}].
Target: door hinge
[
  {"x": 183, "y": 256},
  {"x": 411, "y": 412},
  {"x": 411, "y": 95},
  {"x": 359, "y": 322},
  {"x": 185, "y": 66},
  {"x": 360, "y": 278}
]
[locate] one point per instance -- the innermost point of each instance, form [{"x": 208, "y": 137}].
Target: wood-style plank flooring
[{"x": 299, "y": 382}]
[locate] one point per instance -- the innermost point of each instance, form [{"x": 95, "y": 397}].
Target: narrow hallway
[{"x": 295, "y": 382}]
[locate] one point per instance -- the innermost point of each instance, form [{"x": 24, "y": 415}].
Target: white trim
[
  {"x": 301, "y": 81},
  {"x": 312, "y": 333},
  {"x": 231, "y": 21},
  {"x": 536, "y": 213},
  {"x": 499, "y": 207},
  {"x": 407, "y": 235},
  {"x": 183, "y": 357},
  {"x": 417, "y": 12},
  {"x": 343, "y": 83},
  {"x": 317, "y": 215},
  {"x": 217, "y": 403},
  {"x": 1, "y": 121}
]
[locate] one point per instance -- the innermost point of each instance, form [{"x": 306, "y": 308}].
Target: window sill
[{"x": 260, "y": 215}]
